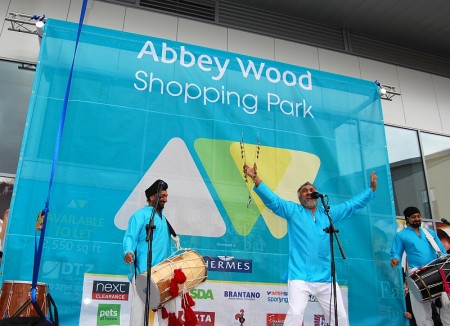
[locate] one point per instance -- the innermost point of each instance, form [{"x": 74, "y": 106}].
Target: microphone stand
[
  {"x": 150, "y": 227},
  {"x": 333, "y": 234}
]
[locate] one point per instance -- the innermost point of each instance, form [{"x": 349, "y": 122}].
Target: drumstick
[{"x": 258, "y": 147}]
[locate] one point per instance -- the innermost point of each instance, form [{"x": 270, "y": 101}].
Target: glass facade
[
  {"x": 436, "y": 154},
  {"x": 15, "y": 90},
  {"x": 407, "y": 171}
]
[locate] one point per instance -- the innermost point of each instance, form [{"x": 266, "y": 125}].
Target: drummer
[
  {"x": 135, "y": 246},
  {"x": 419, "y": 252}
]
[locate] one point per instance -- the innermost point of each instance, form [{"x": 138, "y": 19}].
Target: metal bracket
[
  {"x": 386, "y": 92},
  {"x": 21, "y": 22},
  {"x": 390, "y": 93}
]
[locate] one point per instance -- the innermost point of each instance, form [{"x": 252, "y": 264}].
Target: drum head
[
  {"x": 414, "y": 289},
  {"x": 426, "y": 283},
  {"x": 141, "y": 288}
]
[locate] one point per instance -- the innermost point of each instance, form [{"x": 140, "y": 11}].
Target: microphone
[
  {"x": 161, "y": 186},
  {"x": 443, "y": 220},
  {"x": 316, "y": 195}
]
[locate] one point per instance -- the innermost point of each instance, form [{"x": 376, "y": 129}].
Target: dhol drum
[
  {"x": 15, "y": 294},
  {"x": 426, "y": 283},
  {"x": 192, "y": 265}
]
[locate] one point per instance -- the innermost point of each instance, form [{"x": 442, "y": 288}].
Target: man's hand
[
  {"x": 251, "y": 172},
  {"x": 373, "y": 181},
  {"x": 129, "y": 258},
  {"x": 394, "y": 262}
]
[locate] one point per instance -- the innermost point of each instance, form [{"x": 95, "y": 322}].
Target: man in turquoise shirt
[
  {"x": 419, "y": 252},
  {"x": 309, "y": 268},
  {"x": 135, "y": 246}
]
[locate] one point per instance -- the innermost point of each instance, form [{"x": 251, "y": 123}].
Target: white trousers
[
  {"x": 137, "y": 314},
  {"x": 444, "y": 312},
  {"x": 298, "y": 294},
  {"x": 422, "y": 312}
]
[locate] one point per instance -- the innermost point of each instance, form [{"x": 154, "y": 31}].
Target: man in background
[
  {"x": 6, "y": 190},
  {"x": 419, "y": 251}
]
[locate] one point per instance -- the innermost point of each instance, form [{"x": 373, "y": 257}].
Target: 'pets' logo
[{"x": 108, "y": 314}]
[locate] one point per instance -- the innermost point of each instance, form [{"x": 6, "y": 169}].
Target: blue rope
[{"x": 38, "y": 248}]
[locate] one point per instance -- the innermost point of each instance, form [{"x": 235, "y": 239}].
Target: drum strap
[
  {"x": 171, "y": 230},
  {"x": 432, "y": 241}
]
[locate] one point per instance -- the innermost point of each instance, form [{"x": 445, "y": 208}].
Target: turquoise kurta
[
  {"x": 419, "y": 251},
  {"x": 309, "y": 244},
  {"x": 135, "y": 239}
]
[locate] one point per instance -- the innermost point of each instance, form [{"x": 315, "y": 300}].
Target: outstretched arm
[{"x": 251, "y": 172}]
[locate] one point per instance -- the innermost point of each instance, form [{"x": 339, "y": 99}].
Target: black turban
[
  {"x": 153, "y": 189},
  {"x": 410, "y": 211}
]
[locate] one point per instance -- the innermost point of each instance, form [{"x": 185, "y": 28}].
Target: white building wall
[
  {"x": 442, "y": 89},
  {"x": 424, "y": 103}
]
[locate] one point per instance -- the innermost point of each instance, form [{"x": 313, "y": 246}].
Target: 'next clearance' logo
[{"x": 108, "y": 290}]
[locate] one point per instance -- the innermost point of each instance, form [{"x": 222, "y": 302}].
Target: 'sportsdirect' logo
[
  {"x": 108, "y": 314},
  {"x": 277, "y": 296},
  {"x": 228, "y": 264},
  {"x": 108, "y": 290}
]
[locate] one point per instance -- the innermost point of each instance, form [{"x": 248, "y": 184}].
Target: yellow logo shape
[{"x": 283, "y": 171}]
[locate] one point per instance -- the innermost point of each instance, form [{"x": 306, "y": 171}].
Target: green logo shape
[{"x": 108, "y": 314}]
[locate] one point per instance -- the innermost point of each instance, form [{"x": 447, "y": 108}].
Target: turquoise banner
[{"x": 144, "y": 108}]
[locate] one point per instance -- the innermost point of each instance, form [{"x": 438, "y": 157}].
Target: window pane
[
  {"x": 436, "y": 151},
  {"x": 15, "y": 91},
  {"x": 408, "y": 178}
]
